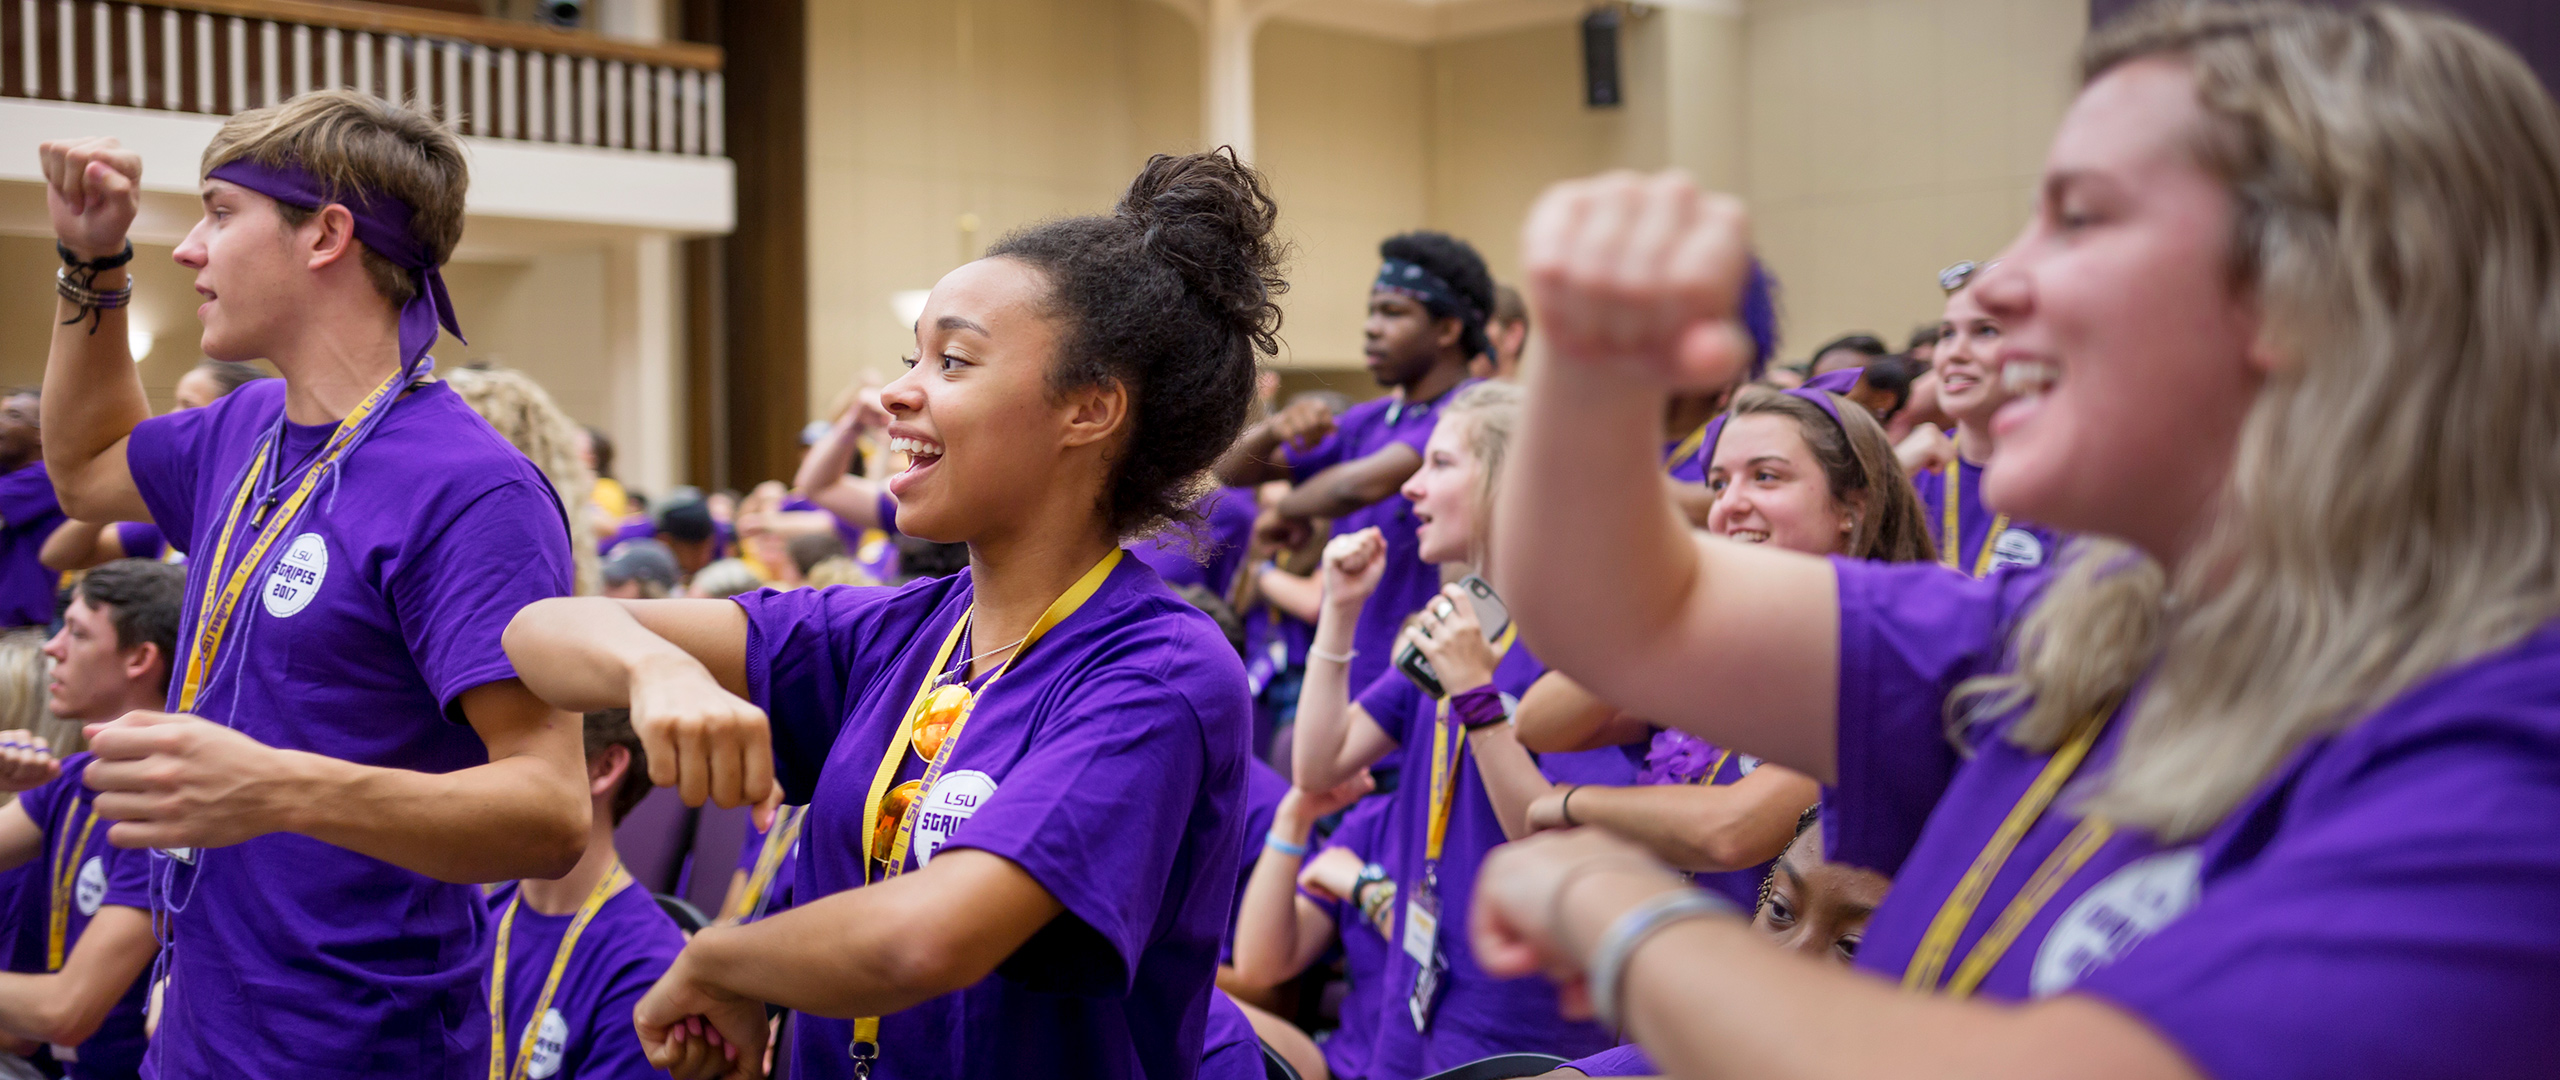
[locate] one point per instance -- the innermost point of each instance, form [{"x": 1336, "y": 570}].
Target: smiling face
[
  {"x": 973, "y": 413},
  {"x": 1969, "y": 388},
  {"x": 1771, "y": 490},
  {"x": 2125, "y": 338},
  {"x": 1446, "y": 492},
  {"x": 1402, "y": 339}
]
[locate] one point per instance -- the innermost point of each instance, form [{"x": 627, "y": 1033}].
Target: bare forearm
[
  {"x": 1692, "y": 500},
  {"x": 1253, "y": 459},
  {"x": 1300, "y": 596},
  {"x": 93, "y": 399},
  {"x": 828, "y": 459},
  {"x": 1702, "y": 829},
  {"x": 1558, "y": 716},
  {"x": 1668, "y": 610},
  {"x": 1318, "y": 754},
  {"x": 520, "y": 816},
  {"x": 862, "y": 952},
  {"x": 74, "y": 546},
  {"x": 67, "y": 1007},
  {"x": 1271, "y": 938},
  {"x": 1511, "y": 779},
  {"x": 582, "y": 653}
]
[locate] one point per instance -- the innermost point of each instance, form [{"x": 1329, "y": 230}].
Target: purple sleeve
[
  {"x": 26, "y": 498},
  {"x": 455, "y": 595},
  {"x": 140, "y": 540},
  {"x": 1325, "y": 454},
  {"x": 1096, "y": 812},
  {"x": 1393, "y": 701},
  {"x": 1628, "y": 1060},
  {"x": 165, "y": 455},
  {"x": 1909, "y": 632},
  {"x": 43, "y": 802},
  {"x": 128, "y": 873},
  {"x": 2400, "y": 924},
  {"x": 802, "y": 645}
]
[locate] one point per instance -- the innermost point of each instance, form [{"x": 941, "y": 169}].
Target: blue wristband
[{"x": 1295, "y": 851}]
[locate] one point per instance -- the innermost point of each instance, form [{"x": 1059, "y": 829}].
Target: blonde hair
[
  {"x": 359, "y": 143},
  {"x": 1491, "y": 411},
  {"x": 838, "y": 570},
  {"x": 1856, "y": 457},
  {"x": 23, "y": 672},
  {"x": 525, "y": 415},
  {"x": 2393, "y": 506}
]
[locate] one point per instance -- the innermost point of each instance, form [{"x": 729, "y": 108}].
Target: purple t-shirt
[
  {"x": 1478, "y": 1015},
  {"x": 1231, "y": 1051},
  {"x": 107, "y": 876},
  {"x": 1628, "y": 1060},
  {"x": 290, "y": 956},
  {"x": 1108, "y": 764},
  {"x": 1407, "y": 582},
  {"x": 2380, "y": 906},
  {"x": 587, "y": 1033},
  {"x": 28, "y": 515},
  {"x": 141, "y": 540},
  {"x": 776, "y": 897},
  {"x": 1677, "y": 757},
  {"x": 1364, "y": 953},
  {"x": 1225, "y": 527},
  {"x": 2020, "y": 545}
]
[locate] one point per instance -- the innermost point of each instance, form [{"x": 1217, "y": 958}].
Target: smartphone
[{"x": 1491, "y": 616}]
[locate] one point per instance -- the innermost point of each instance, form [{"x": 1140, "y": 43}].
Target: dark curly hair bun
[{"x": 1172, "y": 296}]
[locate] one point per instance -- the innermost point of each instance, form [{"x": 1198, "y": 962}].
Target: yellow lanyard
[
  {"x": 1951, "y": 555},
  {"x": 777, "y": 845},
  {"x": 1938, "y": 944},
  {"x": 1708, "y": 778},
  {"x": 1445, "y": 753},
  {"x": 1687, "y": 449},
  {"x": 614, "y": 882},
  {"x": 866, "y": 1029},
  {"x": 222, "y": 593},
  {"x": 66, "y": 873}
]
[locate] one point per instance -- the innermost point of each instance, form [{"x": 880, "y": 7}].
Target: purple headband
[
  {"x": 382, "y": 225},
  {"x": 1715, "y": 427}
]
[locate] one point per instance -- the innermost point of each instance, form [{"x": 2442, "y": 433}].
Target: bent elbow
[{"x": 66, "y": 1021}]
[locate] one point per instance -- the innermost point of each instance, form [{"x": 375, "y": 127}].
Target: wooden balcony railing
[{"x": 485, "y": 77}]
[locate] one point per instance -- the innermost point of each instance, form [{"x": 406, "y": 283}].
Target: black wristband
[
  {"x": 94, "y": 265},
  {"x": 1564, "y": 807}
]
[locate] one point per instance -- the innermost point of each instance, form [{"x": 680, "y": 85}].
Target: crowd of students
[{"x": 2158, "y": 649}]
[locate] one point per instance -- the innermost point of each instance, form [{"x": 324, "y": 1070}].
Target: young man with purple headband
[{"x": 347, "y": 747}]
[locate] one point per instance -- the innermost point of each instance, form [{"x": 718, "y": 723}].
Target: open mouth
[
  {"x": 2027, "y": 381},
  {"x": 922, "y": 456},
  {"x": 1749, "y": 536}
]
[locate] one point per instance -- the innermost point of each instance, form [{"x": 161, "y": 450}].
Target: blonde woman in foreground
[{"x": 2263, "y": 786}]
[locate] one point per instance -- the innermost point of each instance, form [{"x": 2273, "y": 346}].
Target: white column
[
  {"x": 1226, "y": 83},
  {"x": 644, "y": 313}
]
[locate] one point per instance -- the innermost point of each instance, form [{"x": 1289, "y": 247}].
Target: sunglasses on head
[{"x": 1955, "y": 277}]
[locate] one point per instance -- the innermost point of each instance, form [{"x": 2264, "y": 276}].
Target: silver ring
[{"x": 1444, "y": 608}]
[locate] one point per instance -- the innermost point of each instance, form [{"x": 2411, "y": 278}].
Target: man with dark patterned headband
[{"x": 1427, "y": 315}]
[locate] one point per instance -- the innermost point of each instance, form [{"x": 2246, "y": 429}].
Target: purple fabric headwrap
[
  {"x": 1838, "y": 382},
  {"x": 1715, "y": 427},
  {"x": 382, "y": 225}
]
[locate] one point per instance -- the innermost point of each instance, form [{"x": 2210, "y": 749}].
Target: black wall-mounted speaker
[{"x": 1600, "y": 59}]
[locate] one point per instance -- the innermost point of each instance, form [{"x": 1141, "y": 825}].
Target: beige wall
[
  {"x": 1007, "y": 111},
  {"x": 1876, "y": 139},
  {"x": 545, "y": 316},
  {"x": 1888, "y": 138}
]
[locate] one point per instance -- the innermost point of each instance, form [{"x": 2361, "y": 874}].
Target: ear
[
  {"x": 604, "y": 771},
  {"x": 330, "y": 236},
  {"x": 1856, "y": 504},
  {"x": 1447, "y": 331},
  {"x": 140, "y": 663},
  {"x": 1096, "y": 412}
]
